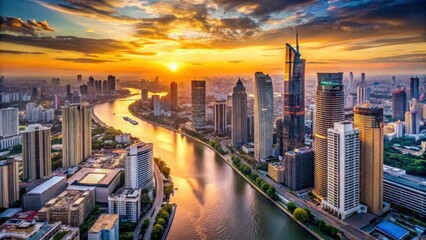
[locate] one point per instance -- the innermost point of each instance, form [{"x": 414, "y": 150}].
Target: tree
[
  {"x": 291, "y": 207},
  {"x": 300, "y": 215},
  {"x": 168, "y": 208},
  {"x": 311, "y": 217},
  {"x": 163, "y": 214},
  {"x": 157, "y": 232},
  {"x": 161, "y": 221}
]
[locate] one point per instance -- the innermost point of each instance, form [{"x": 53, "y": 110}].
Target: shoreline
[{"x": 170, "y": 222}]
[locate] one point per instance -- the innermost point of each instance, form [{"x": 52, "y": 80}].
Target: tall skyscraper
[
  {"x": 111, "y": 84},
  {"x": 144, "y": 95},
  {"x": 1, "y": 83},
  {"x": 414, "y": 87},
  {"x": 343, "y": 170},
  {"x": 362, "y": 77},
  {"x": 412, "y": 122},
  {"x": 330, "y": 101},
  {"x": 393, "y": 80},
  {"x": 220, "y": 116},
  {"x": 362, "y": 93},
  {"x": 36, "y": 150},
  {"x": 279, "y": 138},
  {"x": 91, "y": 87},
  {"x": 198, "y": 92},
  {"x": 239, "y": 115},
  {"x": 351, "y": 82},
  {"x": 299, "y": 168},
  {"x": 79, "y": 78},
  {"x": 9, "y": 183},
  {"x": 76, "y": 134},
  {"x": 369, "y": 120},
  {"x": 263, "y": 116},
  {"x": 156, "y": 105},
  {"x": 105, "y": 87},
  {"x": 139, "y": 166},
  {"x": 9, "y": 122},
  {"x": 294, "y": 99},
  {"x": 69, "y": 94},
  {"x": 173, "y": 96},
  {"x": 399, "y": 104}
]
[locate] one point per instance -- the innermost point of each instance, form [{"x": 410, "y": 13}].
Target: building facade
[
  {"x": 9, "y": 183},
  {"x": 36, "y": 152},
  {"x": 139, "y": 166},
  {"x": 198, "y": 93},
  {"x": 414, "y": 87},
  {"x": 276, "y": 172},
  {"x": 9, "y": 128},
  {"x": 239, "y": 115},
  {"x": 299, "y": 168},
  {"x": 126, "y": 203},
  {"x": 105, "y": 228},
  {"x": 220, "y": 113},
  {"x": 36, "y": 198},
  {"x": 173, "y": 96},
  {"x": 399, "y": 104},
  {"x": 156, "y": 105},
  {"x": 412, "y": 122}
]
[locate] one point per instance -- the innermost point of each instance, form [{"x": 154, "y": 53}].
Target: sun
[{"x": 173, "y": 67}]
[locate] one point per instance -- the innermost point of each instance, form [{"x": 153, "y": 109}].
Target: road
[{"x": 155, "y": 207}]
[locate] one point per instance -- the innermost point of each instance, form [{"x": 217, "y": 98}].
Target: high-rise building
[
  {"x": 414, "y": 87},
  {"x": 83, "y": 89},
  {"x": 111, "y": 84},
  {"x": 343, "y": 170},
  {"x": 362, "y": 77},
  {"x": 56, "y": 81},
  {"x": 198, "y": 92},
  {"x": 351, "y": 82},
  {"x": 156, "y": 105},
  {"x": 363, "y": 94},
  {"x": 294, "y": 99},
  {"x": 412, "y": 122},
  {"x": 139, "y": 166},
  {"x": 91, "y": 87},
  {"x": 299, "y": 168},
  {"x": 393, "y": 80},
  {"x": 76, "y": 134},
  {"x": 330, "y": 101},
  {"x": 399, "y": 104},
  {"x": 105, "y": 228},
  {"x": 55, "y": 104},
  {"x": 144, "y": 95},
  {"x": 9, "y": 183},
  {"x": 9, "y": 122},
  {"x": 279, "y": 138},
  {"x": 69, "y": 94},
  {"x": 127, "y": 203},
  {"x": 250, "y": 127},
  {"x": 263, "y": 116},
  {"x": 36, "y": 150},
  {"x": 79, "y": 78},
  {"x": 1, "y": 83},
  {"x": 98, "y": 86},
  {"x": 369, "y": 120},
  {"x": 239, "y": 115},
  {"x": 173, "y": 96},
  {"x": 165, "y": 102},
  {"x": 220, "y": 116},
  {"x": 105, "y": 87}
]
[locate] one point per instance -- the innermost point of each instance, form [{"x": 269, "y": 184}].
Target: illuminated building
[
  {"x": 399, "y": 104},
  {"x": 239, "y": 115},
  {"x": 36, "y": 152},
  {"x": 198, "y": 92}
]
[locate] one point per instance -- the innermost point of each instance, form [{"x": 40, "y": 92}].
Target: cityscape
[{"x": 210, "y": 119}]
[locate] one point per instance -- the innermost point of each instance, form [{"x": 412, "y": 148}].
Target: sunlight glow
[{"x": 173, "y": 67}]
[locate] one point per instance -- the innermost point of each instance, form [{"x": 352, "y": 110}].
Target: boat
[{"x": 130, "y": 120}]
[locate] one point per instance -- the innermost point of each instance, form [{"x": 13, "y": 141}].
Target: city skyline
[{"x": 135, "y": 38}]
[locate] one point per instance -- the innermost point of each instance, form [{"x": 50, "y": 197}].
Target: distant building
[
  {"x": 21, "y": 229},
  {"x": 276, "y": 172},
  {"x": 139, "y": 166},
  {"x": 9, "y": 128},
  {"x": 173, "y": 96},
  {"x": 79, "y": 78},
  {"x": 220, "y": 116},
  {"x": 414, "y": 87},
  {"x": 363, "y": 94},
  {"x": 399, "y": 104},
  {"x": 126, "y": 203},
  {"x": 36, "y": 198},
  {"x": 56, "y": 81},
  {"x": 123, "y": 138},
  {"x": 105, "y": 228},
  {"x": 250, "y": 127},
  {"x": 263, "y": 116},
  {"x": 239, "y": 115},
  {"x": 1, "y": 83},
  {"x": 343, "y": 170},
  {"x": 299, "y": 168},
  {"x": 105, "y": 87},
  {"x": 412, "y": 122},
  {"x": 279, "y": 139},
  {"x": 68, "y": 92},
  {"x": 144, "y": 95},
  {"x": 9, "y": 183},
  {"x": 198, "y": 92},
  {"x": 111, "y": 84},
  {"x": 156, "y": 105}
]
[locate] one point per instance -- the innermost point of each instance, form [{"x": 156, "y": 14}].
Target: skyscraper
[
  {"x": 294, "y": 99},
  {"x": 144, "y": 95},
  {"x": 198, "y": 92},
  {"x": 239, "y": 115},
  {"x": 330, "y": 101},
  {"x": 279, "y": 138},
  {"x": 369, "y": 120},
  {"x": 263, "y": 116},
  {"x": 412, "y": 122},
  {"x": 105, "y": 87},
  {"x": 414, "y": 87},
  {"x": 76, "y": 134},
  {"x": 399, "y": 104},
  {"x": 69, "y": 94},
  {"x": 220, "y": 116},
  {"x": 79, "y": 78},
  {"x": 156, "y": 105},
  {"x": 362, "y": 77},
  {"x": 363, "y": 93},
  {"x": 173, "y": 96},
  {"x": 343, "y": 170},
  {"x": 36, "y": 150},
  {"x": 139, "y": 166},
  {"x": 299, "y": 168},
  {"x": 9, "y": 122},
  {"x": 111, "y": 84},
  {"x": 9, "y": 183},
  {"x": 351, "y": 82},
  {"x": 1, "y": 83}
]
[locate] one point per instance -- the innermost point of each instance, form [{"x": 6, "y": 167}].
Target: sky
[{"x": 199, "y": 38}]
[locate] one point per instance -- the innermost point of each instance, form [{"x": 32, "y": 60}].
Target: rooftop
[
  {"x": 105, "y": 221},
  {"x": 392, "y": 230},
  {"x": 46, "y": 185},
  {"x": 68, "y": 198},
  {"x": 126, "y": 193},
  {"x": 299, "y": 151},
  {"x": 94, "y": 176},
  {"x": 408, "y": 180},
  {"x": 277, "y": 165}
]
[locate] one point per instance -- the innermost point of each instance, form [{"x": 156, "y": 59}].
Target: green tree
[
  {"x": 168, "y": 208},
  {"x": 301, "y": 215},
  {"x": 157, "y": 232},
  {"x": 161, "y": 221},
  {"x": 163, "y": 214},
  {"x": 291, "y": 207}
]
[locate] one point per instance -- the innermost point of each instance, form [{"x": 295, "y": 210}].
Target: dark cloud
[
  {"x": 141, "y": 53},
  {"x": 237, "y": 61},
  {"x": 2, "y": 51},
  {"x": 17, "y": 25},
  {"x": 85, "y": 60}
]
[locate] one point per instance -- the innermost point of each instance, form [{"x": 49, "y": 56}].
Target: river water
[{"x": 213, "y": 201}]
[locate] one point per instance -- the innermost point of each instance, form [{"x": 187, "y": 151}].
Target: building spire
[{"x": 297, "y": 39}]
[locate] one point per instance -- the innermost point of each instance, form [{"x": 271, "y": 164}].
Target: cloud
[
  {"x": 17, "y": 25},
  {"x": 141, "y": 53},
  {"x": 2, "y": 51},
  {"x": 236, "y": 61},
  {"x": 85, "y": 60}
]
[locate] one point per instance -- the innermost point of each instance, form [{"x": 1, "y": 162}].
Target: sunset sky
[{"x": 209, "y": 37}]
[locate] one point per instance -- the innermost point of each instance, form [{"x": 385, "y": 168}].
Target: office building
[
  {"x": 330, "y": 101},
  {"x": 198, "y": 92},
  {"x": 9, "y": 183},
  {"x": 68, "y": 92},
  {"x": 76, "y": 134},
  {"x": 79, "y": 78},
  {"x": 250, "y": 127},
  {"x": 220, "y": 116},
  {"x": 9, "y": 128},
  {"x": 412, "y": 122},
  {"x": 363, "y": 94},
  {"x": 105, "y": 228},
  {"x": 39, "y": 196},
  {"x": 399, "y": 104},
  {"x": 156, "y": 105},
  {"x": 1, "y": 83},
  {"x": 414, "y": 87},
  {"x": 404, "y": 190},
  {"x": 126, "y": 203},
  {"x": 239, "y": 115},
  {"x": 299, "y": 168},
  {"x": 56, "y": 81},
  {"x": 362, "y": 77},
  {"x": 173, "y": 96},
  {"x": 105, "y": 87},
  {"x": 36, "y": 152},
  {"x": 351, "y": 82},
  {"x": 343, "y": 170},
  {"x": 144, "y": 95},
  {"x": 33, "y": 230},
  {"x": 279, "y": 138},
  {"x": 71, "y": 207},
  {"x": 276, "y": 172},
  {"x": 139, "y": 166},
  {"x": 111, "y": 84},
  {"x": 263, "y": 116},
  {"x": 368, "y": 119},
  {"x": 294, "y": 99}
]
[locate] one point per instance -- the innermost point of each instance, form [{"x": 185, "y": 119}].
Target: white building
[
  {"x": 363, "y": 94},
  {"x": 139, "y": 166},
  {"x": 126, "y": 203},
  {"x": 9, "y": 128},
  {"x": 123, "y": 138},
  {"x": 343, "y": 167},
  {"x": 399, "y": 129},
  {"x": 156, "y": 104}
]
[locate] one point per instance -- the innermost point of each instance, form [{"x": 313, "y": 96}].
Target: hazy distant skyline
[{"x": 209, "y": 37}]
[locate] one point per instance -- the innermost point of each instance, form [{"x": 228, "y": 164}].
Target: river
[{"x": 213, "y": 201}]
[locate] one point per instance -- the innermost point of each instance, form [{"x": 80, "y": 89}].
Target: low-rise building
[
  {"x": 20, "y": 229},
  {"x": 123, "y": 138},
  {"x": 105, "y": 228},
  {"x": 276, "y": 172},
  {"x": 127, "y": 203},
  {"x": 36, "y": 198},
  {"x": 299, "y": 168}
]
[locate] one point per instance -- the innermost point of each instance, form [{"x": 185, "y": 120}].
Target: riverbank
[
  {"x": 229, "y": 162},
  {"x": 169, "y": 223}
]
